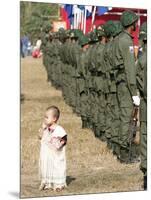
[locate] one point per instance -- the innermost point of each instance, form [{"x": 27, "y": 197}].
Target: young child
[{"x": 52, "y": 162}]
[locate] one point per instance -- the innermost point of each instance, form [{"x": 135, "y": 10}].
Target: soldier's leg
[
  {"x": 126, "y": 107},
  {"x": 83, "y": 109},
  {"x": 115, "y": 125},
  {"x": 108, "y": 118},
  {"x": 143, "y": 147},
  {"x": 77, "y": 102},
  {"x": 94, "y": 110},
  {"x": 101, "y": 116}
]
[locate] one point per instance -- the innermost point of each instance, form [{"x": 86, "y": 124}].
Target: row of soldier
[{"x": 100, "y": 76}]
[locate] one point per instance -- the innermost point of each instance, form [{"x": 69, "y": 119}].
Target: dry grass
[{"x": 91, "y": 167}]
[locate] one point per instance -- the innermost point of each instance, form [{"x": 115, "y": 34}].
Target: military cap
[
  {"x": 62, "y": 33},
  {"x": 109, "y": 28},
  {"x": 92, "y": 36},
  {"x": 118, "y": 28},
  {"x": 61, "y": 29},
  {"x": 68, "y": 33},
  {"x": 100, "y": 31},
  {"x": 47, "y": 27},
  {"x": 75, "y": 33},
  {"x": 83, "y": 40},
  {"x": 128, "y": 18},
  {"x": 143, "y": 31}
]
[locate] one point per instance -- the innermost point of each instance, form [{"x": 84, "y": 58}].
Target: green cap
[
  {"x": 62, "y": 33},
  {"x": 76, "y": 33},
  {"x": 92, "y": 37},
  {"x": 118, "y": 28},
  {"x": 109, "y": 28},
  {"x": 100, "y": 31},
  {"x": 143, "y": 31},
  {"x": 128, "y": 18},
  {"x": 47, "y": 27},
  {"x": 83, "y": 40}
]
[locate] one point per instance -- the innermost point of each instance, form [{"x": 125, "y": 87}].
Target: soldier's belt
[
  {"x": 94, "y": 73},
  {"x": 100, "y": 74}
]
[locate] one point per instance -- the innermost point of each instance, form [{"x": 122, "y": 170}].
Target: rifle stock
[{"x": 133, "y": 129}]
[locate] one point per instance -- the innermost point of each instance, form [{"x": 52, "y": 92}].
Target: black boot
[{"x": 145, "y": 182}]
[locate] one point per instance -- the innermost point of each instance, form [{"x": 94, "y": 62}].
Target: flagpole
[
  {"x": 93, "y": 17},
  {"x": 82, "y": 18},
  {"x": 85, "y": 16}
]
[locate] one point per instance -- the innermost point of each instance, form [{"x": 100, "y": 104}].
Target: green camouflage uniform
[
  {"x": 141, "y": 77},
  {"x": 125, "y": 80}
]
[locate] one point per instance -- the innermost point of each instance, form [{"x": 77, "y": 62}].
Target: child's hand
[
  {"x": 40, "y": 133},
  {"x": 39, "y": 136},
  {"x": 44, "y": 126},
  {"x": 62, "y": 142}
]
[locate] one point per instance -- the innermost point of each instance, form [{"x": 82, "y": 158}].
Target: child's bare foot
[
  {"x": 42, "y": 186},
  {"x": 48, "y": 187},
  {"x": 59, "y": 189}
]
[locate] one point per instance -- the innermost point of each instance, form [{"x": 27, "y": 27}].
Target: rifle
[{"x": 132, "y": 130}]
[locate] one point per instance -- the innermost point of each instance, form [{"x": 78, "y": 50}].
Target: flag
[
  {"x": 89, "y": 11},
  {"x": 101, "y": 10},
  {"x": 69, "y": 9}
]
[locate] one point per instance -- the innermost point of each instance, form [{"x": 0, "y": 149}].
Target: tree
[{"x": 34, "y": 15}]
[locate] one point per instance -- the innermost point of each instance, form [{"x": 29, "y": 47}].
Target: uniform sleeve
[
  {"x": 141, "y": 75},
  {"x": 127, "y": 51}
]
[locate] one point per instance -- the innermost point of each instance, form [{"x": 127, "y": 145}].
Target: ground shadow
[
  {"x": 22, "y": 98},
  {"x": 69, "y": 179},
  {"x": 14, "y": 194}
]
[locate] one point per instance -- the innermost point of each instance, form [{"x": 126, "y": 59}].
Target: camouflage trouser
[
  {"x": 125, "y": 110},
  {"x": 92, "y": 107},
  {"x": 64, "y": 81},
  {"x": 108, "y": 116},
  {"x": 73, "y": 88},
  {"x": 46, "y": 64},
  {"x": 115, "y": 124},
  {"x": 115, "y": 118},
  {"x": 143, "y": 147},
  {"x": 59, "y": 74},
  {"x": 126, "y": 107},
  {"x": 101, "y": 124},
  {"x": 83, "y": 104},
  {"x": 77, "y": 98}
]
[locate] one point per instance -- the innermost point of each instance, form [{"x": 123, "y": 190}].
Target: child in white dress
[{"x": 52, "y": 162}]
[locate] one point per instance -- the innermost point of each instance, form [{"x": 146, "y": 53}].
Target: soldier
[
  {"x": 99, "y": 83},
  {"x": 141, "y": 77},
  {"x": 81, "y": 79},
  {"x": 48, "y": 58},
  {"x": 46, "y": 40},
  {"x": 75, "y": 55},
  {"x": 92, "y": 109},
  {"x": 110, "y": 88},
  {"x": 64, "y": 53},
  {"x": 126, "y": 79},
  {"x": 115, "y": 105},
  {"x": 56, "y": 67}
]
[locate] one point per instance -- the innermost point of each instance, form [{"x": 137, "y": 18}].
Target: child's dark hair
[{"x": 56, "y": 111}]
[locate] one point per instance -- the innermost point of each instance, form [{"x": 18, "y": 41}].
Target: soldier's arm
[{"x": 127, "y": 51}]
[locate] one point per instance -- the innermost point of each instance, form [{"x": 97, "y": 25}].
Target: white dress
[{"x": 52, "y": 162}]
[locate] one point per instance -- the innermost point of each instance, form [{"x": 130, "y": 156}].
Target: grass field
[{"x": 91, "y": 167}]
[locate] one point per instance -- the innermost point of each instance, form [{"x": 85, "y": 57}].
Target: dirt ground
[{"x": 91, "y": 167}]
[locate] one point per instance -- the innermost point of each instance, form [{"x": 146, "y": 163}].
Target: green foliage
[{"x": 34, "y": 15}]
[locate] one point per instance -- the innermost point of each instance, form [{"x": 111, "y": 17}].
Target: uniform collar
[{"x": 125, "y": 31}]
